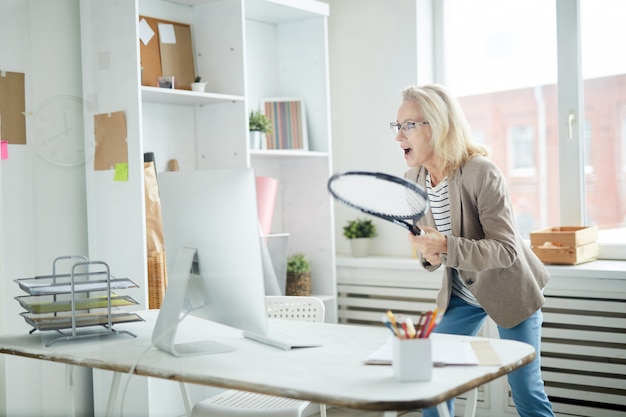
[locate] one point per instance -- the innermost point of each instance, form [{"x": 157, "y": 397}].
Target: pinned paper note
[
  {"x": 121, "y": 172},
  {"x": 145, "y": 32},
  {"x": 166, "y": 33},
  {"x": 111, "y": 146},
  {"x": 13, "y": 107}
]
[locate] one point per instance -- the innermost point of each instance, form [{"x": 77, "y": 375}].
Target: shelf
[
  {"x": 185, "y": 97},
  {"x": 280, "y": 11},
  {"x": 287, "y": 153}
]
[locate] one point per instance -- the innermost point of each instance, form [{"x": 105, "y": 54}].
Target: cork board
[{"x": 166, "y": 50}]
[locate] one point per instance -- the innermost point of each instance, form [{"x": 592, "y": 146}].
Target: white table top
[{"x": 333, "y": 374}]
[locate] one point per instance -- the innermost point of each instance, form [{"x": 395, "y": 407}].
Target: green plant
[
  {"x": 259, "y": 122},
  {"x": 298, "y": 264},
  {"x": 359, "y": 228},
  {"x": 197, "y": 79}
]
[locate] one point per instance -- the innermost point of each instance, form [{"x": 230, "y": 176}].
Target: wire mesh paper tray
[{"x": 67, "y": 301}]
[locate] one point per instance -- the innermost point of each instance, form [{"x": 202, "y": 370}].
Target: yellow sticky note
[{"x": 121, "y": 172}]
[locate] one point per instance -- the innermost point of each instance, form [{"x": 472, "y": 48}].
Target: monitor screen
[{"x": 214, "y": 255}]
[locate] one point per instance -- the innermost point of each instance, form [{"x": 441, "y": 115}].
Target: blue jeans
[{"x": 526, "y": 383}]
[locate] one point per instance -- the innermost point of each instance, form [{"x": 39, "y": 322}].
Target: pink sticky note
[{"x": 4, "y": 149}]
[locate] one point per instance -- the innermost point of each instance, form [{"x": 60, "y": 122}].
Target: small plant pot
[
  {"x": 360, "y": 246},
  {"x": 198, "y": 87},
  {"x": 257, "y": 140},
  {"x": 299, "y": 284}
]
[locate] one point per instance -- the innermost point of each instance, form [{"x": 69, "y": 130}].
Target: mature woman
[{"x": 470, "y": 231}]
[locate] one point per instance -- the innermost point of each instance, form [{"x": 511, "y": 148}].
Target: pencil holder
[{"x": 412, "y": 359}]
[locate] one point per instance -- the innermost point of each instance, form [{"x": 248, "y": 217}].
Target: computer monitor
[{"x": 214, "y": 255}]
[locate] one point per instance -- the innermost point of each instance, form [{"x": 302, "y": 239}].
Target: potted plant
[
  {"x": 298, "y": 275},
  {"x": 198, "y": 85},
  {"x": 360, "y": 232},
  {"x": 259, "y": 126}
]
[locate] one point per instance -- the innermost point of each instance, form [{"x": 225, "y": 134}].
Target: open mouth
[{"x": 407, "y": 151}]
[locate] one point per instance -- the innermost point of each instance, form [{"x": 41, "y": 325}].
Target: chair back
[{"x": 303, "y": 308}]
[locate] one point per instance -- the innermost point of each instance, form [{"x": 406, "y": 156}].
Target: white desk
[{"x": 334, "y": 374}]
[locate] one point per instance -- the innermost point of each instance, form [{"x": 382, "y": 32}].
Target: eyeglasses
[{"x": 407, "y": 127}]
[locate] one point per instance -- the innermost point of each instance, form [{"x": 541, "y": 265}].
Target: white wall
[
  {"x": 373, "y": 56},
  {"x": 43, "y": 205}
]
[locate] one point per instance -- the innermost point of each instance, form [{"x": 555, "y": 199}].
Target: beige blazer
[{"x": 500, "y": 270}]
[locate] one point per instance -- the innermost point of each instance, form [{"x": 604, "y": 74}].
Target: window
[
  {"x": 587, "y": 131},
  {"x": 522, "y": 151},
  {"x": 501, "y": 63},
  {"x": 604, "y": 79},
  {"x": 623, "y": 147},
  {"x": 500, "y": 59}
]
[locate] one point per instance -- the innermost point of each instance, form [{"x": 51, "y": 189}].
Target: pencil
[{"x": 431, "y": 325}]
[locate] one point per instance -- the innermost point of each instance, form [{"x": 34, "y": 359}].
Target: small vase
[
  {"x": 360, "y": 246},
  {"x": 198, "y": 87},
  {"x": 257, "y": 140}
]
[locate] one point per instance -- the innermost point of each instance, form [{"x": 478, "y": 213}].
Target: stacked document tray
[{"x": 79, "y": 299}]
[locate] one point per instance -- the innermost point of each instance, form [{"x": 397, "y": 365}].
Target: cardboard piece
[
  {"x": 12, "y": 108},
  {"x": 177, "y": 58},
  {"x": 111, "y": 146}
]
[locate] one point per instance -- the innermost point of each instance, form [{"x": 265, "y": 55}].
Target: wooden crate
[{"x": 565, "y": 245}]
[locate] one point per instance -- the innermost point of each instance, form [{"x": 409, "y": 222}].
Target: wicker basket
[
  {"x": 299, "y": 284},
  {"x": 157, "y": 279}
]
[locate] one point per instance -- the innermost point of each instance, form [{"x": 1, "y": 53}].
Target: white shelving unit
[{"x": 245, "y": 50}]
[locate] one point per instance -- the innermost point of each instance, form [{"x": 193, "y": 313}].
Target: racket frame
[{"x": 399, "y": 220}]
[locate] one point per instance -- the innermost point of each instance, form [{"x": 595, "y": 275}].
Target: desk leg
[
  {"x": 69, "y": 390},
  {"x": 470, "y": 403},
  {"x": 186, "y": 399},
  {"x": 115, "y": 386}
]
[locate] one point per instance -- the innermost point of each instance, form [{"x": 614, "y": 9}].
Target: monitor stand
[{"x": 164, "y": 334}]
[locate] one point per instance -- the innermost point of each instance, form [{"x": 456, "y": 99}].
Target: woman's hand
[{"x": 430, "y": 243}]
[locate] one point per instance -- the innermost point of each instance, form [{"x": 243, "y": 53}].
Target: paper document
[{"x": 445, "y": 352}]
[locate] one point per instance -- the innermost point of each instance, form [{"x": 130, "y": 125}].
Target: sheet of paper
[
  {"x": 445, "y": 352},
  {"x": 166, "y": 33},
  {"x": 145, "y": 32}
]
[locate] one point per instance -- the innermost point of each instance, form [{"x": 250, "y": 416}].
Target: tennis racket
[{"x": 382, "y": 195}]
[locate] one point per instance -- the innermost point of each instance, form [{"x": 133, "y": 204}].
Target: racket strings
[{"x": 379, "y": 196}]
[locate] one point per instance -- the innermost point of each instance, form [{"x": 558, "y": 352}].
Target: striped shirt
[{"x": 440, "y": 208}]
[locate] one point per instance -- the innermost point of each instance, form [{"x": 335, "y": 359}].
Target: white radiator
[{"x": 584, "y": 354}]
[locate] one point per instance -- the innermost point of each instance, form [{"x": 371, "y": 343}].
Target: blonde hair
[{"x": 451, "y": 134}]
